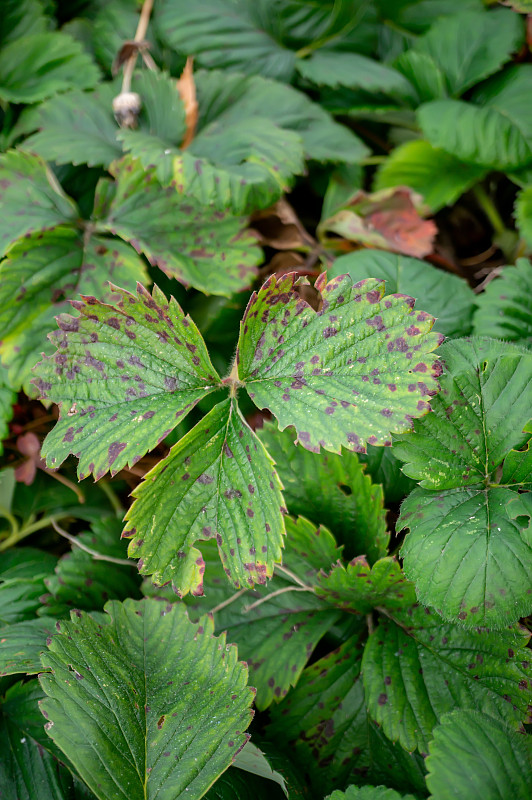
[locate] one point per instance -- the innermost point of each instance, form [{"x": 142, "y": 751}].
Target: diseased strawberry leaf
[
  {"x": 348, "y": 503},
  {"x": 497, "y": 763},
  {"x": 218, "y": 482},
  {"x": 201, "y": 247},
  {"x": 345, "y": 375},
  {"x": 464, "y": 554},
  {"x": 124, "y": 375},
  {"x": 186, "y": 700},
  {"x": 359, "y": 589},
  {"x": 369, "y": 793}
]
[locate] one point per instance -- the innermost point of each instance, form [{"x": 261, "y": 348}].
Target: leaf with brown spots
[
  {"x": 146, "y": 702},
  {"x": 359, "y": 589},
  {"x": 204, "y": 248},
  {"x": 38, "y": 277},
  {"x": 466, "y": 557},
  {"x": 124, "y": 376},
  {"x": 416, "y": 667},
  {"x": 350, "y": 374},
  {"x": 217, "y": 482}
]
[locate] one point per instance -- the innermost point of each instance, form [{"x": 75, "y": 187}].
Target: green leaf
[
  {"x": 26, "y": 562},
  {"x": 348, "y": 503},
  {"x": 418, "y": 15},
  {"x": 448, "y": 297},
  {"x": 369, "y": 793},
  {"x": 504, "y": 308},
  {"x": 30, "y": 198},
  {"x": 332, "y": 68},
  {"x": 124, "y": 724},
  {"x": 147, "y": 366},
  {"x": 201, "y": 247},
  {"x": 469, "y": 46},
  {"x": 523, "y": 214},
  {"x": 40, "y": 65},
  {"x": 309, "y": 367},
  {"x": 465, "y": 556},
  {"x": 384, "y": 468},
  {"x": 493, "y": 131},
  {"x": 22, "y": 18},
  {"x": 252, "y": 760},
  {"x": 217, "y": 482},
  {"x": 20, "y": 599},
  {"x": 235, "y": 783},
  {"x": 38, "y": 277},
  {"x": 474, "y": 755},
  {"x": 423, "y": 73},
  {"x": 278, "y": 636},
  {"x": 438, "y": 176},
  {"x": 7, "y": 399},
  {"x": 359, "y": 589},
  {"x": 21, "y": 645},
  {"x": 81, "y": 581},
  {"x": 416, "y": 668}
]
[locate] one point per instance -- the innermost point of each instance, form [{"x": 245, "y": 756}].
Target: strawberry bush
[{"x": 265, "y": 383}]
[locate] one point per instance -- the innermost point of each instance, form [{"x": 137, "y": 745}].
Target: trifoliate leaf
[
  {"x": 415, "y": 669},
  {"x": 505, "y": 306},
  {"x": 217, "y": 482},
  {"x": 21, "y": 645},
  {"x": 449, "y": 297},
  {"x": 369, "y": 793},
  {"x": 202, "y": 247},
  {"x": 30, "y": 198},
  {"x": 348, "y": 503},
  {"x": 345, "y": 375},
  {"x": 81, "y": 581},
  {"x": 465, "y": 556},
  {"x": 359, "y": 588},
  {"x": 437, "y": 176},
  {"x": 37, "y": 278},
  {"x": 123, "y": 375},
  {"x": 474, "y": 755},
  {"x": 159, "y": 704},
  {"x": 40, "y": 65},
  {"x": 278, "y": 635}
]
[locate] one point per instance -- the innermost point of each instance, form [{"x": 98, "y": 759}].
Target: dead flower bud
[{"x": 126, "y": 108}]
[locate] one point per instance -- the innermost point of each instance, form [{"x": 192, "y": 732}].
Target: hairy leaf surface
[{"x": 344, "y": 376}]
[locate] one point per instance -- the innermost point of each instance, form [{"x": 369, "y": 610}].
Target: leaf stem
[
  {"x": 276, "y": 594},
  {"x": 94, "y": 553},
  {"x": 22, "y": 533},
  {"x": 140, "y": 34},
  {"x": 228, "y": 601},
  {"x": 488, "y": 207},
  {"x": 291, "y": 575}
]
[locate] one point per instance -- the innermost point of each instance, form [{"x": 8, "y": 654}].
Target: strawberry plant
[{"x": 265, "y": 369}]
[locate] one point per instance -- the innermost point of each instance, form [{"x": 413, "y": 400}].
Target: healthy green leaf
[
  {"x": 147, "y": 363},
  {"x": 504, "y": 308},
  {"x": 81, "y": 581},
  {"x": 21, "y": 645},
  {"x": 336, "y": 68},
  {"x": 202, "y": 247},
  {"x": 359, "y": 589},
  {"x": 217, "y": 482},
  {"x": 7, "y": 399},
  {"x": 30, "y": 198},
  {"x": 40, "y": 65},
  {"x": 416, "y": 668},
  {"x": 369, "y": 793},
  {"x": 38, "y": 277},
  {"x": 363, "y": 383},
  {"x": 423, "y": 73},
  {"x": 20, "y": 599},
  {"x": 130, "y": 730},
  {"x": 523, "y": 214},
  {"x": 449, "y": 297},
  {"x": 253, "y": 761},
  {"x": 26, "y": 562},
  {"x": 348, "y": 503},
  {"x": 474, "y": 755},
  {"x": 438, "y": 176},
  {"x": 465, "y": 556},
  {"x": 22, "y": 18}
]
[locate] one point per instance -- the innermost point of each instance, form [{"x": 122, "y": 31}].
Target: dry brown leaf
[{"x": 187, "y": 91}]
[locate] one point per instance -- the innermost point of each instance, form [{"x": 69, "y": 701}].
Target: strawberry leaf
[
  {"x": 464, "y": 554},
  {"x": 415, "y": 669},
  {"x": 359, "y": 589},
  {"x": 505, "y": 306},
  {"x": 22, "y": 643},
  {"x": 117, "y": 366},
  {"x": 217, "y": 482},
  {"x": 145, "y": 702},
  {"x": 202, "y": 247},
  {"x": 346, "y": 375},
  {"x": 369, "y": 793}
]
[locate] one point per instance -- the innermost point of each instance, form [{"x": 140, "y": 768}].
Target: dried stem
[
  {"x": 97, "y": 556},
  {"x": 140, "y": 34},
  {"x": 275, "y": 594}
]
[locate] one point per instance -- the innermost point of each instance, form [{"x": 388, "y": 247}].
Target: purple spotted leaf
[
  {"x": 204, "y": 248},
  {"x": 416, "y": 667},
  {"x": 145, "y": 703},
  {"x": 466, "y": 557},
  {"x": 359, "y": 588},
  {"x": 124, "y": 375},
  {"x": 278, "y": 636},
  {"x": 350, "y": 374},
  {"x": 218, "y": 482}
]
